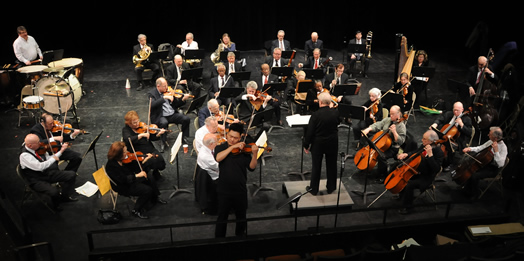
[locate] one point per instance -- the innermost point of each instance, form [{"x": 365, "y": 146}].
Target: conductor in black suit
[
  {"x": 220, "y": 81},
  {"x": 322, "y": 139},
  {"x": 354, "y": 57},
  {"x": 147, "y": 64},
  {"x": 312, "y": 44},
  {"x": 280, "y": 42},
  {"x": 164, "y": 111}
]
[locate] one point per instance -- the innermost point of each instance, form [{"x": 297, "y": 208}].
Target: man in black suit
[
  {"x": 315, "y": 61},
  {"x": 312, "y": 44},
  {"x": 280, "y": 42},
  {"x": 220, "y": 81},
  {"x": 338, "y": 77},
  {"x": 246, "y": 108},
  {"x": 474, "y": 76},
  {"x": 43, "y": 131},
  {"x": 429, "y": 167},
  {"x": 174, "y": 74},
  {"x": 354, "y": 57},
  {"x": 322, "y": 139},
  {"x": 232, "y": 64},
  {"x": 147, "y": 64},
  {"x": 276, "y": 59},
  {"x": 164, "y": 111},
  {"x": 266, "y": 78}
]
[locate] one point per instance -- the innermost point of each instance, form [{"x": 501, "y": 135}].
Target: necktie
[
  {"x": 265, "y": 79},
  {"x": 316, "y": 64},
  {"x": 222, "y": 81},
  {"x": 38, "y": 156},
  {"x": 231, "y": 68}
]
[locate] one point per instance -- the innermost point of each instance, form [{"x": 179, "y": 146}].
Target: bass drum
[{"x": 56, "y": 103}]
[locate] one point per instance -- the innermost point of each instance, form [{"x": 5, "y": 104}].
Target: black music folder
[
  {"x": 423, "y": 72},
  {"x": 314, "y": 73},
  {"x": 351, "y": 111},
  {"x": 270, "y": 88},
  {"x": 194, "y": 54},
  {"x": 230, "y": 92},
  {"x": 196, "y": 104},
  {"x": 193, "y": 73},
  {"x": 240, "y": 76},
  {"x": 392, "y": 98},
  {"x": 356, "y": 48},
  {"x": 286, "y": 54},
  {"x": 282, "y": 71},
  {"x": 304, "y": 86},
  {"x": 346, "y": 89}
]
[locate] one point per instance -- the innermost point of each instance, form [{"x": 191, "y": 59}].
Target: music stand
[
  {"x": 230, "y": 92},
  {"x": 223, "y": 55},
  {"x": 351, "y": 112},
  {"x": 392, "y": 98},
  {"x": 293, "y": 199},
  {"x": 240, "y": 76},
  {"x": 191, "y": 54},
  {"x": 196, "y": 104},
  {"x": 346, "y": 89},
  {"x": 193, "y": 73},
  {"x": 461, "y": 89},
  {"x": 428, "y": 72},
  {"x": 282, "y": 71},
  {"x": 174, "y": 155},
  {"x": 286, "y": 54},
  {"x": 261, "y": 143},
  {"x": 314, "y": 73},
  {"x": 300, "y": 121},
  {"x": 356, "y": 48},
  {"x": 92, "y": 148}
]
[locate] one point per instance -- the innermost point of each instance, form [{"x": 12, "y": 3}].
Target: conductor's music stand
[
  {"x": 300, "y": 121},
  {"x": 314, "y": 73},
  {"x": 240, "y": 76},
  {"x": 293, "y": 199},
  {"x": 261, "y": 143},
  {"x": 92, "y": 148},
  {"x": 196, "y": 104},
  {"x": 351, "y": 112},
  {"x": 174, "y": 155}
]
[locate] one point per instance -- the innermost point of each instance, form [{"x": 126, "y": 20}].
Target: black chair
[{"x": 28, "y": 192}]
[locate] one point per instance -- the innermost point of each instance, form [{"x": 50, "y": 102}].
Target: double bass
[
  {"x": 366, "y": 158},
  {"x": 483, "y": 109}
]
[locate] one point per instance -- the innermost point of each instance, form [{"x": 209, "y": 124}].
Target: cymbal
[
  {"x": 53, "y": 69},
  {"x": 57, "y": 87}
]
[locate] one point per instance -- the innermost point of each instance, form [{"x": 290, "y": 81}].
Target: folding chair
[
  {"x": 497, "y": 179},
  {"x": 104, "y": 185},
  {"x": 28, "y": 191}
]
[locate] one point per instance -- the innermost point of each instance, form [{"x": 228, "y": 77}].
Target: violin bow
[
  {"x": 48, "y": 141},
  {"x": 134, "y": 152},
  {"x": 224, "y": 117},
  {"x": 149, "y": 116}
]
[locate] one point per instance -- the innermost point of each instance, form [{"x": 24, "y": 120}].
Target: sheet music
[
  {"x": 261, "y": 143},
  {"x": 297, "y": 119},
  {"x": 176, "y": 147},
  {"x": 88, "y": 189}
]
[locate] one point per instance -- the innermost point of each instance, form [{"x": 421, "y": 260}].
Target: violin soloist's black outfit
[
  {"x": 427, "y": 170},
  {"x": 322, "y": 139},
  {"x": 232, "y": 190}
]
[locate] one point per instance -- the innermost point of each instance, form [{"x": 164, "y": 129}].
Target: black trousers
[
  {"x": 74, "y": 158},
  {"x": 141, "y": 189},
  {"x": 416, "y": 182},
  {"x": 140, "y": 70},
  {"x": 318, "y": 151},
  {"x": 176, "y": 118},
  {"x": 43, "y": 184},
  {"x": 472, "y": 185},
  {"x": 227, "y": 202}
]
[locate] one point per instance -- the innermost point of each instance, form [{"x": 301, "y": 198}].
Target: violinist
[
  {"x": 210, "y": 126},
  {"x": 174, "y": 77},
  {"x": 322, "y": 139},
  {"x": 267, "y": 78},
  {"x": 164, "y": 110},
  {"x": 312, "y": 96},
  {"x": 462, "y": 127},
  {"x": 130, "y": 183},
  {"x": 373, "y": 113},
  {"x": 142, "y": 141},
  {"x": 397, "y": 134},
  {"x": 249, "y": 103},
  {"x": 42, "y": 171},
  {"x": 217, "y": 83},
  {"x": 48, "y": 134},
  {"x": 212, "y": 109},
  {"x": 499, "y": 151},
  {"x": 407, "y": 91},
  {"x": 429, "y": 166},
  {"x": 231, "y": 187}
]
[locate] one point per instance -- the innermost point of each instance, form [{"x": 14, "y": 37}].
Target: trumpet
[{"x": 143, "y": 55}]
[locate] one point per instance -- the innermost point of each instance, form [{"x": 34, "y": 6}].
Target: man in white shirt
[
  {"x": 205, "y": 185},
  {"x": 25, "y": 47},
  {"x": 210, "y": 126},
  {"x": 41, "y": 170},
  {"x": 188, "y": 44}
]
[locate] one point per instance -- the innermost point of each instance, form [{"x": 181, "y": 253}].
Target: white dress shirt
[
  {"x": 207, "y": 162},
  {"x": 29, "y": 161},
  {"x": 26, "y": 51},
  {"x": 498, "y": 157},
  {"x": 186, "y": 46}
]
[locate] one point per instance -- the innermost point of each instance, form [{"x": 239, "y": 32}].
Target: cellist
[
  {"x": 500, "y": 152},
  {"x": 429, "y": 166},
  {"x": 397, "y": 133},
  {"x": 463, "y": 127}
]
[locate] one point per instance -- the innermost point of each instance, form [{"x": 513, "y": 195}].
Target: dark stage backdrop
[{"x": 84, "y": 28}]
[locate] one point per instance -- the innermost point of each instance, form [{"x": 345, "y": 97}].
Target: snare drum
[
  {"x": 33, "y": 102},
  {"x": 68, "y": 63}
]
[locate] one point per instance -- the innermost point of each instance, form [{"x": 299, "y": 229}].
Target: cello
[
  {"x": 471, "y": 164},
  {"x": 366, "y": 158}
]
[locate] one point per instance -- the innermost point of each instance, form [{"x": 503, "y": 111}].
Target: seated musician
[
  {"x": 249, "y": 104},
  {"x": 280, "y": 42},
  {"x": 44, "y": 129},
  {"x": 188, "y": 44},
  {"x": 408, "y": 97},
  {"x": 373, "y": 114},
  {"x": 276, "y": 60},
  {"x": 26, "y": 48},
  {"x": 336, "y": 78},
  {"x": 267, "y": 78},
  {"x": 312, "y": 44},
  {"x": 312, "y": 95},
  {"x": 41, "y": 171},
  {"x": 232, "y": 64},
  {"x": 291, "y": 89},
  {"x": 420, "y": 83},
  {"x": 229, "y": 46},
  {"x": 354, "y": 57},
  {"x": 464, "y": 128},
  {"x": 174, "y": 74},
  {"x": 473, "y": 77},
  {"x": 210, "y": 126},
  {"x": 206, "y": 185},
  {"x": 147, "y": 64},
  {"x": 212, "y": 109},
  {"x": 141, "y": 140},
  {"x": 315, "y": 61},
  {"x": 429, "y": 167},
  {"x": 397, "y": 134},
  {"x": 217, "y": 83},
  {"x": 164, "y": 110},
  {"x": 130, "y": 183},
  {"x": 500, "y": 152}
]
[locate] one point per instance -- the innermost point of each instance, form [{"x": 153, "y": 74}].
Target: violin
[
  {"x": 51, "y": 147},
  {"x": 333, "y": 98},
  {"x": 229, "y": 119},
  {"x": 366, "y": 159},
  {"x": 177, "y": 93},
  {"x": 130, "y": 157},
  {"x": 67, "y": 128},
  {"x": 259, "y": 99},
  {"x": 471, "y": 164},
  {"x": 153, "y": 128},
  {"x": 398, "y": 178},
  {"x": 248, "y": 149}
]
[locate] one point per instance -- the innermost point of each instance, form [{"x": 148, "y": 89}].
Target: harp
[{"x": 405, "y": 62}]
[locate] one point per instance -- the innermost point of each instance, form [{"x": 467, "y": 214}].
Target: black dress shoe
[
  {"x": 69, "y": 199},
  {"x": 161, "y": 201},
  {"x": 314, "y": 193},
  {"x": 139, "y": 214}
]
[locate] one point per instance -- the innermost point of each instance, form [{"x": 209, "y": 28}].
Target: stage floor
[{"x": 103, "y": 107}]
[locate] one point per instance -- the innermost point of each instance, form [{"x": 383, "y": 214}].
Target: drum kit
[{"x": 55, "y": 86}]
